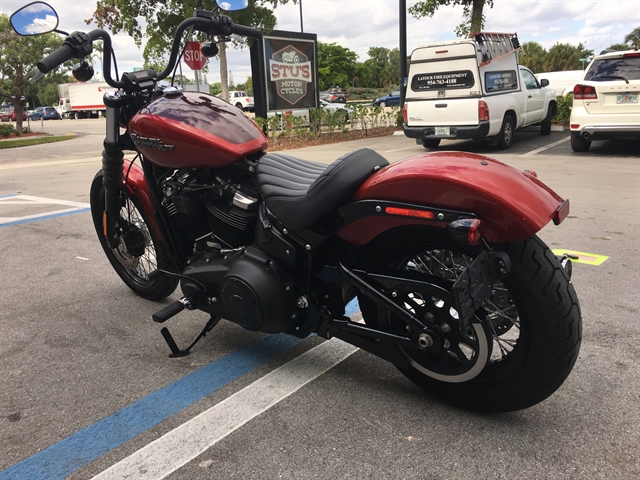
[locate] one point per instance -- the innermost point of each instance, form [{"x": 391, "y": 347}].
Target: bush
[
  {"x": 565, "y": 102},
  {"x": 6, "y": 130}
]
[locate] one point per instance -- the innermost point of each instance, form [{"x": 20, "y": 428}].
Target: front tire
[
  {"x": 532, "y": 316},
  {"x": 140, "y": 250},
  {"x": 545, "y": 126}
]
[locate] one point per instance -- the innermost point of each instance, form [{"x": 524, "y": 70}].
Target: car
[
  {"x": 334, "y": 107},
  {"x": 333, "y": 96},
  {"x": 46, "y": 113},
  {"x": 388, "y": 100},
  {"x": 605, "y": 101},
  {"x": 8, "y": 113}
]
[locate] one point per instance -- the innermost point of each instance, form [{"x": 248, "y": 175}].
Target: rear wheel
[
  {"x": 431, "y": 143},
  {"x": 505, "y": 137},
  {"x": 140, "y": 250},
  {"x": 526, "y": 337},
  {"x": 579, "y": 143}
]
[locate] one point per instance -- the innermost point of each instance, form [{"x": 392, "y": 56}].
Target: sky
[{"x": 361, "y": 24}]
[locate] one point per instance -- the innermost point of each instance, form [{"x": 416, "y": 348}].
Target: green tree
[
  {"x": 18, "y": 58},
  {"x": 618, "y": 47},
  {"x": 473, "y": 17},
  {"x": 336, "y": 65},
  {"x": 563, "y": 56},
  {"x": 383, "y": 66},
  {"x": 163, "y": 17},
  {"x": 633, "y": 38},
  {"x": 533, "y": 56}
]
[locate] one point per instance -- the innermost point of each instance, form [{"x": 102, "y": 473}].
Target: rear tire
[
  {"x": 141, "y": 253},
  {"x": 505, "y": 137},
  {"x": 431, "y": 143},
  {"x": 533, "y": 319},
  {"x": 579, "y": 143}
]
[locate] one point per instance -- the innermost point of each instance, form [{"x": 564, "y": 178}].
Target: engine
[
  {"x": 204, "y": 205},
  {"x": 227, "y": 275}
]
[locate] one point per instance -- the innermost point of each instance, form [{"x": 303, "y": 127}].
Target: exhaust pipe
[{"x": 586, "y": 135}]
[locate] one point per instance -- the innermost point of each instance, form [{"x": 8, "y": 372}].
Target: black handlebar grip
[
  {"x": 247, "y": 31},
  {"x": 58, "y": 57}
]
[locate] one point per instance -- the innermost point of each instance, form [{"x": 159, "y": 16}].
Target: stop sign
[{"x": 193, "y": 56}]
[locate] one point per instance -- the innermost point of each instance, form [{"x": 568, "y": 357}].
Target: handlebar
[{"x": 79, "y": 44}]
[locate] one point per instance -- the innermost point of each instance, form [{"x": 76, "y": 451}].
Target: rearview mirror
[
  {"x": 34, "y": 19},
  {"x": 232, "y": 5}
]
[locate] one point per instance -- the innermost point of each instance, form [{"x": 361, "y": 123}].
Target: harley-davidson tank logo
[
  {"x": 290, "y": 69},
  {"x": 151, "y": 143}
]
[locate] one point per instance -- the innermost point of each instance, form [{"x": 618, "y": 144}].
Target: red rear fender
[{"x": 512, "y": 204}]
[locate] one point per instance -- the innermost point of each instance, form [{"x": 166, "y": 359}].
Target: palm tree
[{"x": 633, "y": 38}]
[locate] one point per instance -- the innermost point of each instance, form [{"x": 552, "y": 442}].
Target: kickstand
[{"x": 175, "y": 351}]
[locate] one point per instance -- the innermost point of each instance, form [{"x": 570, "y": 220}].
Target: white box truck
[
  {"x": 82, "y": 100},
  {"x": 474, "y": 88}
]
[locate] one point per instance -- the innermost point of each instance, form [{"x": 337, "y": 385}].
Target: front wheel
[
  {"x": 524, "y": 340},
  {"x": 139, "y": 252}
]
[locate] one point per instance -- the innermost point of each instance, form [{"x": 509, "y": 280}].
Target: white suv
[{"x": 605, "y": 102}]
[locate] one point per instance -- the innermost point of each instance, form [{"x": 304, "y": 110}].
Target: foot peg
[{"x": 171, "y": 310}]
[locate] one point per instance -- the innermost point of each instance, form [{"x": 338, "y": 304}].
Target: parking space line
[
  {"x": 68, "y": 455},
  {"x": 29, "y": 200},
  {"x": 546, "y": 147},
  {"x": 181, "y": 445}
]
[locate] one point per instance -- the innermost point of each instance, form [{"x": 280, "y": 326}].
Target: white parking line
[
  {"x": 28, "y": 200},
  {"x": 546, "y": 147},
  {"x": 181, "y": 445}
]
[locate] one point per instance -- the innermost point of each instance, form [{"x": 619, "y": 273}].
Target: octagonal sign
[
  {"x": 291, "y": 70},
  {"x": 193, "y": 56}
]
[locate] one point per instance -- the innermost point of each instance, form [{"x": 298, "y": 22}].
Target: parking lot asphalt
[{"x": 88, "y": 388}]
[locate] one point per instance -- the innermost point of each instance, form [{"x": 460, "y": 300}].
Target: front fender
[
  {"x": 512, "y": 204},
  {"x": 136, "y": 184}
]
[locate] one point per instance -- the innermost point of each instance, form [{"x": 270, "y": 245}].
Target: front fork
[{"x": 112, "y": 169}]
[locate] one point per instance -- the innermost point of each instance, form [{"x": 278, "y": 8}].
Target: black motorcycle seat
[{"x": 299, "y": 192}]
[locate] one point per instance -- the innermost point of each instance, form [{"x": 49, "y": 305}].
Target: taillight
[
  {"x": 483, "y": 111},
  {"x": 404, "y": 113},
  {"x": 631, "y": 55},
  {"x": 584, "y": 92},
  {"x": 467, "y": 230}
]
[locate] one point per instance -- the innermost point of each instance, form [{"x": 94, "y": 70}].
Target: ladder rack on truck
[{"x": 495, "y": 45}]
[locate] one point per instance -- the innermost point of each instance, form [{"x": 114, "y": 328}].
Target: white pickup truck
[
  {"x": 240, "y": 100},
  {"x": 474, "y": 88}
]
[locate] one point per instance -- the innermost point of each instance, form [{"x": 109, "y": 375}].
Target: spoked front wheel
[
  {"x": 523, "y": 342},
  {"x": 139, "y": 251}
]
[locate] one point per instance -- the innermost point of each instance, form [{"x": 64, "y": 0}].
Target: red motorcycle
[{"x": 440, "y": 250}]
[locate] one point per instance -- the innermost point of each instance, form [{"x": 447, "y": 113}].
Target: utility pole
[{"x": 301, "y": 29}]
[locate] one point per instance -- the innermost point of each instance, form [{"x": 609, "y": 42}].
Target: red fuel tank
[{"x": 194, "y": 130}]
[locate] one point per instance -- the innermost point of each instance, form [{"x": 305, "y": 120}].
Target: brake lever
[{"x": 36, "y": 76}]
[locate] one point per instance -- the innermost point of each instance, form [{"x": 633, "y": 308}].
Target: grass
[{"x": 24, "y": 142}]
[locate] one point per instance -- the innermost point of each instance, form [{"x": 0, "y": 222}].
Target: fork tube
[{"x": 112, "y": 171}]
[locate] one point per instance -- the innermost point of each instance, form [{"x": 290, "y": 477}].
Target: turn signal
[{"x": 467, "y": 230}]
